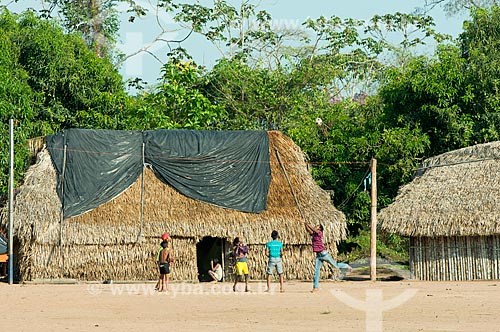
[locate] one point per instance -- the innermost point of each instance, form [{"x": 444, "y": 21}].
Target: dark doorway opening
[{"x": 207, "y": 249}]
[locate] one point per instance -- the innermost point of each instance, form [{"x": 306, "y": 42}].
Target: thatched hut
[
  {"x": 119, "y": 239},
  {"x": 451, "y": 213}
]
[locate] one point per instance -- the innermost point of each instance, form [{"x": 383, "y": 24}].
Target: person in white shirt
[{"x": 216, "y": 270}]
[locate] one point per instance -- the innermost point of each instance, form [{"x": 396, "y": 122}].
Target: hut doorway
[{"x": 207, "y": 249}]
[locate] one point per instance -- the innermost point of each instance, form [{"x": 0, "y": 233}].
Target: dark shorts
[{"x": 164, "y": 268}]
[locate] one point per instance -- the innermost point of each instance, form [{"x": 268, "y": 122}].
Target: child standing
[
  {"x": 164, "y": 267},
  {"x": 164, "y": 237},
  {"x": 240, "y": 251},
  {"x": 274, "y": 250}
]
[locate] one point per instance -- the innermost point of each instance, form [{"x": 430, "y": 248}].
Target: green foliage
[
  {"x": 452, "y": 98},
  {"x": 49, "y": 81},
  {"x": 480, "y": 49},
  {"x": 389, "y": 246},
  {"x": 427, "y": 94},
  {"x": 62, "y": 67},
  {"x": 177, "y": 102},
  {"x": 97, "y": 22},
  {"x": 453, "y": 7},
  {"x": 17, "y": 101},
  {"x": 340, "y": 150},
  {"x": 253, "y": 98}
]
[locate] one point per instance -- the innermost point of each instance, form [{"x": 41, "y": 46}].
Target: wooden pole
[
  {"x": 11, "y": 202},
  {"x": 61, "y": 216},
  {"x": 222, "y": 254},
  {"x": 141, "y": 221},
  {"x": 61, "y": 221},
  {"x": 373, "y": 228}
]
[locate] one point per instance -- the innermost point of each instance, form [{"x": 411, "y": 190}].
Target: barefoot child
[
  {"x": 164, "y": 237},
  {"x": 164, "y": 267}
]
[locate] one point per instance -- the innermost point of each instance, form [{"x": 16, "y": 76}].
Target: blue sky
[{"x": 142, "y": 32}]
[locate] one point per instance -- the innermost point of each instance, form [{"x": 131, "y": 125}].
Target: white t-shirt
[{"x": 218, "y": 272}]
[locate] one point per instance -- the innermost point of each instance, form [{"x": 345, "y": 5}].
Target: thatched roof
[
  {"x": 456, "y": 193},
  {"x": 37, "y": 209}
]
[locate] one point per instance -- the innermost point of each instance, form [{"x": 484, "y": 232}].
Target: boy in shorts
[
  {"x": 274, "y": 250},
  {"x": 164, "y": 267},
  {"x": 240, "y": 251}
]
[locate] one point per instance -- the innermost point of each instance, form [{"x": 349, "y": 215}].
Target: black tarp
[
  {"x": 226, "y": 168},
  {"x": 3, "y": 244}
]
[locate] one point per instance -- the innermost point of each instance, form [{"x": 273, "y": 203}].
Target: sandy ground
[{"x": 354, "y": 305}]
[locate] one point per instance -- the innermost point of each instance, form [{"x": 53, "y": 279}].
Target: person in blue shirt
[{"x": 274, "y": 250}]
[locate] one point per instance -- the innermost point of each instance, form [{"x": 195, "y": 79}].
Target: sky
[{"x": 289, "y": 13}]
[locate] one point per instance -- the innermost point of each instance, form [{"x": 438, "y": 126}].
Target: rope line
[{"x": 355, "y": 190}]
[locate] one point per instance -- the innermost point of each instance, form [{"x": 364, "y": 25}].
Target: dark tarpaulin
[
  {"x": 100, "y": 165},
  {"x": 225, "y": 168}
]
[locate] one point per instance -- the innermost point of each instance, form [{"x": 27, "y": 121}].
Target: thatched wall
[
  {"x": 133, "y": 261},
  {"x": 116, "y": 241},
  {"x": 455, "y": 258},
  {"x": 137, "y": 262}
]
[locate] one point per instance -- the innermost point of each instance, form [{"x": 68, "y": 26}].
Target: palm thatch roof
[
  {"x": 37, "y": 209},
  {"x": 454, "y": 194}
]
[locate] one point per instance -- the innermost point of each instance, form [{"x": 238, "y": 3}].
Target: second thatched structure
[
  {"x": 118, "y": 241},
  {"x": 451, "y": 213}
]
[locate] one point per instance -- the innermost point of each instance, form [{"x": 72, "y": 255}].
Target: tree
[
  {"x": 50, "y": 81},
  {"x": 17, "y": 101},
  {"x": 70, "y": 76},
  {"x": 452, "y": 97},
  {"x": 177, "y": 102},
  {"x": 480, "y": 47},
  {"x": 427, "y": 94}
]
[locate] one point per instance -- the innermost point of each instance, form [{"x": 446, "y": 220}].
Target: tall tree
[
  {"x": 96, "y": 20},
  {"x": 480, "y": 46},
  {"x": 452, "y": 97},
  {"x": 49, "y": 81},
  {"x": 177, "y": 102},
  {"x": 427, "y": 94}
]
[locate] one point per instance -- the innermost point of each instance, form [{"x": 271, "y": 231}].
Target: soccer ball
[{"x": 318, "y": 121}]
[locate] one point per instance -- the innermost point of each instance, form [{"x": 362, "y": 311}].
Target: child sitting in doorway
[{"x": 215, "y": 271}]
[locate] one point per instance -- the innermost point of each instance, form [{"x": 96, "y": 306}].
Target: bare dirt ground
[{"x": 354, "y": 304}]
